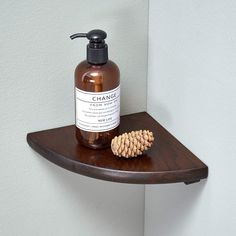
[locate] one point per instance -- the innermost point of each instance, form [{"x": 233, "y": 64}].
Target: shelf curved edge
[{"x": 177, "y": 164}]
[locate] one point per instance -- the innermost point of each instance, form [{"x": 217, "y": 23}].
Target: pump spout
[
  {"x": 78, "y": 35},
  {"x": 96, "y": 35},
  {"x": 97, "y": 50}
]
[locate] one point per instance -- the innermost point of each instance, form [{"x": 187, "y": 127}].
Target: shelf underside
[{"x": 168, "y": 161}]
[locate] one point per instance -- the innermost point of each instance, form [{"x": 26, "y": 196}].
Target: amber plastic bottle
[{"x": 97, "y": 94}]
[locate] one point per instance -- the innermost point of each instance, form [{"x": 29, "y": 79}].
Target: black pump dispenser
[{"x": 97, "y": 49}]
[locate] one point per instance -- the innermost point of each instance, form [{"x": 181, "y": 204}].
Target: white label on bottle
[{"x": 97, "y": 111}]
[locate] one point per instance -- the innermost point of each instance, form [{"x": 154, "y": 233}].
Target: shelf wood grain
[{"x": 168, "y": 161}]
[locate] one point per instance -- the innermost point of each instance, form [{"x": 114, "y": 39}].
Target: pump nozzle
[
  {"x": 93, "y": 35},
  {"x": 97, "y": 52},
  {"x": 78, "y": 35}
]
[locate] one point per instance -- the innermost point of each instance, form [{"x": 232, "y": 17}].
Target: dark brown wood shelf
[{"x": 168, "y": 161}]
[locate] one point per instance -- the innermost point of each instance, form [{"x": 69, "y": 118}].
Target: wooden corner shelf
[{"x": 168, "y": 161}]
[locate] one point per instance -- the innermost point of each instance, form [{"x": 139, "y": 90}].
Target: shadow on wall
[
  {"x": 132, "y": 60},
  {"x": 175, "y": 204},
  {"x": 99, "y": 203}
]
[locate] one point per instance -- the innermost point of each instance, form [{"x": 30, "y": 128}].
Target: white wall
[
  {"x": 191, "y": 91},
  {"x": 37, "y": 61}
]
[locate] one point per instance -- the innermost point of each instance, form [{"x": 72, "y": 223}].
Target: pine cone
[{"x": 132, "y": 144}]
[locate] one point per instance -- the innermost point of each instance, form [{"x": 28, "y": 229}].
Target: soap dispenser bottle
[{"x": 97, "y": 94}]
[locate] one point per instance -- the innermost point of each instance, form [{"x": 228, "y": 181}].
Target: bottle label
[{"x": 97, "y": 111}]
